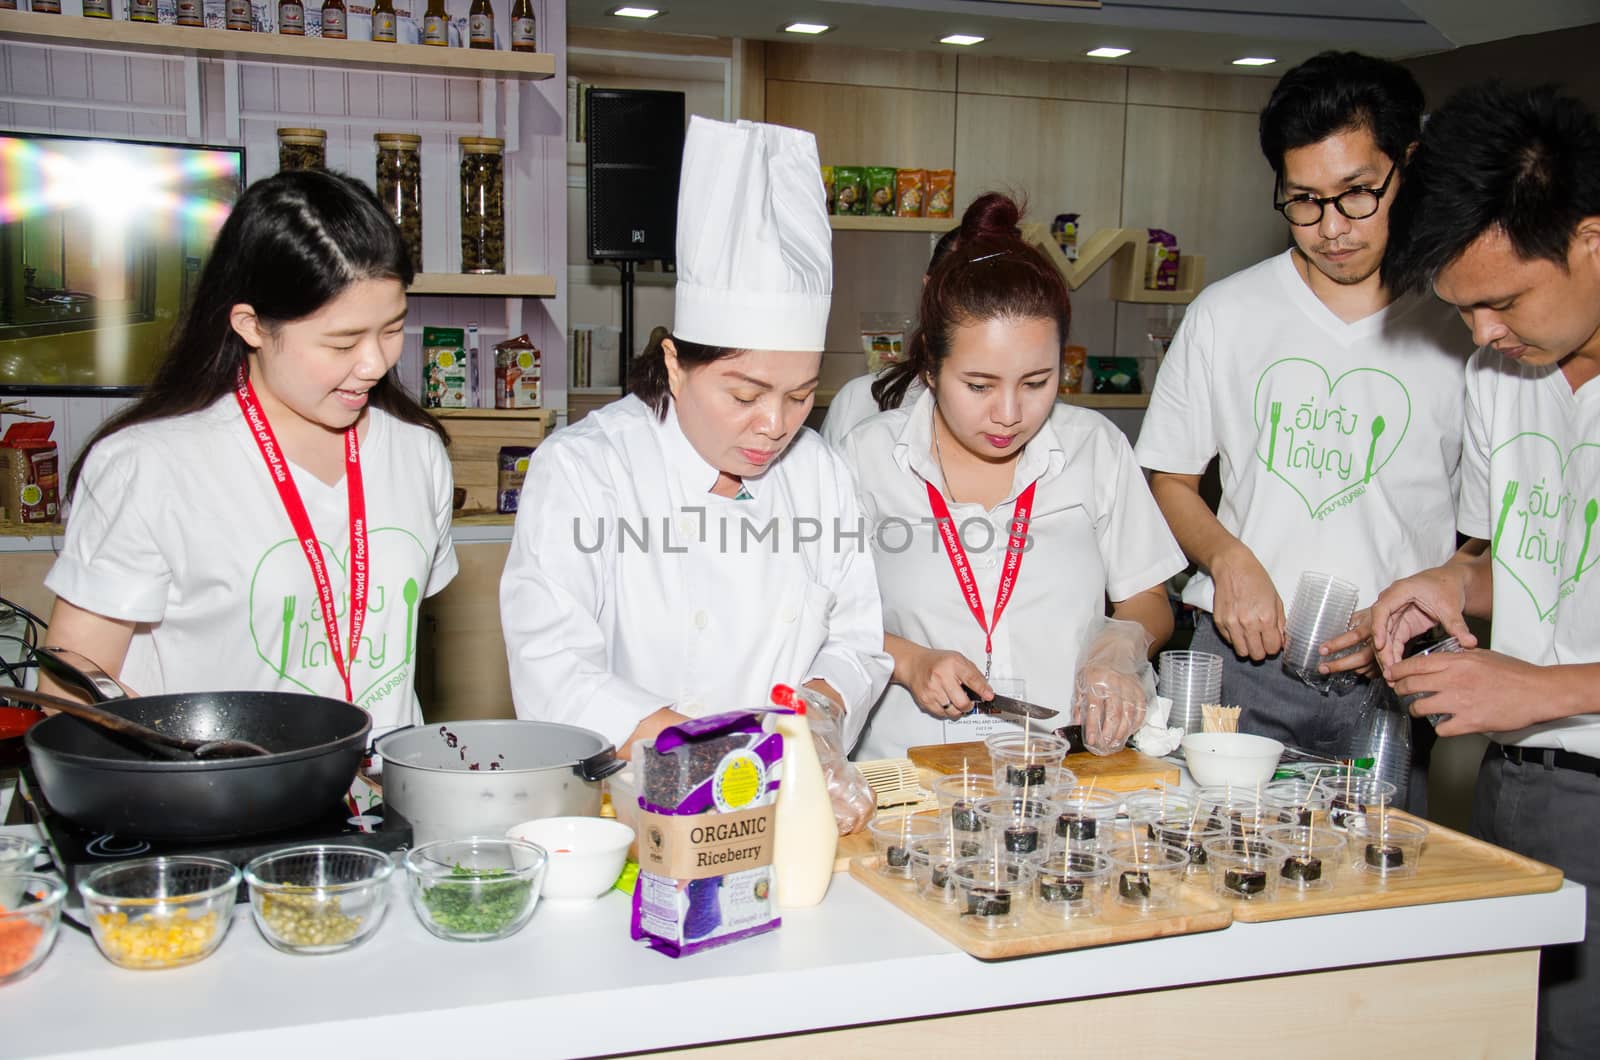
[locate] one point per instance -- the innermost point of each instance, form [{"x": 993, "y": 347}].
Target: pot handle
[
  {"x": 67, "y": 665},
  {"x": 600, "y": 765}
]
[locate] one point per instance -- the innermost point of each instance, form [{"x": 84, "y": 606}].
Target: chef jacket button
[
  {"x": 701, "y": 620},
  {"x": 789, "y": 614}
]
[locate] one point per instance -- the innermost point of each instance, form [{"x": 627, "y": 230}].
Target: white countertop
[{"x": 574, "y": 984}]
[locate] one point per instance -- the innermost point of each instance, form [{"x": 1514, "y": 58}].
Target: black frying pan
[{"x": 118, "y": 785}]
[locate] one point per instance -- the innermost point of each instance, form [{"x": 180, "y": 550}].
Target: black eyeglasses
[{"x": 1303, "y": 211}]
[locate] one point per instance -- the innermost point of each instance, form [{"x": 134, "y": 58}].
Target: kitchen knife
[{"x": 1008, "y": 706}]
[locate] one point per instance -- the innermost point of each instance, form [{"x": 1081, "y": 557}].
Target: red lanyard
[
  {"x": 267, "y": 443},
  {"x": 953, "y": 548}
]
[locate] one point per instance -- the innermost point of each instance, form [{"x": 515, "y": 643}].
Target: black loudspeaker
[{"x": 635, "y": 155}]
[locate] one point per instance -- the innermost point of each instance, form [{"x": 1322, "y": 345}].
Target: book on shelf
[{"x": 577, "y": 110}]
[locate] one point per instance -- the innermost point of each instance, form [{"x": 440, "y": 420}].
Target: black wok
[{"x": 118, "y": 785}]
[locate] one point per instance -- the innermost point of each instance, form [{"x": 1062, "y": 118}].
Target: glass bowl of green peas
[
  {"x": 475, "y": 889},
  {"x": 323, "y": 898}
]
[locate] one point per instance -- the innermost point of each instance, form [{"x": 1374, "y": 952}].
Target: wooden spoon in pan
[{"x": 116, "y": 723}]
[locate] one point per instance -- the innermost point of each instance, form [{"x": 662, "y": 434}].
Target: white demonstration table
[{"x": 1442, "y": 980}]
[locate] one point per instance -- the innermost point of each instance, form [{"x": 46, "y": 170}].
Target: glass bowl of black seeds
[
  {"x": 994, "y": 893},
  {"x": 892, "y": 838},
  {"x": 1146, "y": 875},
  {"x": 1245, "y": 870},
  {"x": 1385, "y": 843},
  {"x": 1315, "y": 859},
  {"x": 1026, "y": 760}
]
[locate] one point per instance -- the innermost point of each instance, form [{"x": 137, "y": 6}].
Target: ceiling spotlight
[
  {"x": 634, "y": 12},
  {"x": 809, "y": 28},
  {"x": 1107, "y": 53},
  {"x": 963, "y": 39},
  {"x": 1254, "y": 60}
]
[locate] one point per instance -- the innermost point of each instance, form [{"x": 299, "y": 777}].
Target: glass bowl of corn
[
  {"x": 159, "y": 912},
  {"x": 320, "y": 898}
]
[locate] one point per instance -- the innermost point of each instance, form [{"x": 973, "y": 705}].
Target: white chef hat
[{"x": 755, "y": 254}]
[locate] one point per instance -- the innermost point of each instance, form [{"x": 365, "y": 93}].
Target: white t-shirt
[
  {"x": 176, "y": 526},
  {"x": 630, "y": 587},
  {"x": 1095, "y": 532},
  {"x": 1340, "y": 443},
  {"x": 1530, "y": 484},
  {"x": 854, "y": 404}
]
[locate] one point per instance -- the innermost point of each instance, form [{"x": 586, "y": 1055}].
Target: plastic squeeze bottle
[{"x": 807, "y": 839}]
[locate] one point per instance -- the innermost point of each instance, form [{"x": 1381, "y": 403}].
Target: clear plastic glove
[
  {"x": 854, "y": 801},
  {"x": 1114, "y": 683}
]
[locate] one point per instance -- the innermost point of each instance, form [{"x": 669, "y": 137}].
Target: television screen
[{"x": 101, "y": 245}]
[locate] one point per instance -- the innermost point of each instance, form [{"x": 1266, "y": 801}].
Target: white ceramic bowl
[
  {"x": 1234, "y": 758},
  {"x": 586, "y": 854}
]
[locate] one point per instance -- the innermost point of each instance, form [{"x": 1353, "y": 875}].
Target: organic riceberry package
[{"x": 705, "y": 828}]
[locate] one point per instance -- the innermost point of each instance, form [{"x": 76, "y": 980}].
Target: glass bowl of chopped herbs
[{"x": 475, "y": 889}]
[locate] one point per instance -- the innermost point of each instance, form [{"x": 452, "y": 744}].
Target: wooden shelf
[
  {"x": 271, "y": 47},
  {"x": 32, "y": 529},
  {"x": 493, "y": 286},
  {"x": 1123, "y": 248},
  {"x": 853, "y": 223},
  {"x": 546, "y": 416}
]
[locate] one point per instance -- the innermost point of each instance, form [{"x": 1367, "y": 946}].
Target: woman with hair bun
[{"x": 1003, "y": 520}]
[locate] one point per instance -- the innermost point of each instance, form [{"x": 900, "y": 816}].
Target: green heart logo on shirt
[
  {"x": 1544, "y": 533},
  {"x": 1326, "y": 438},
  {"x": 286, "y": 617}
]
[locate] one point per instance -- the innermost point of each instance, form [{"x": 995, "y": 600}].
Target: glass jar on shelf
[
  {"x": 399, "y": 181},
  {"x": 333, "y": 19},
  {"x": 302, "y": 149},
  {"x": 483, "y": 207},
  {"x": 524, "y": 27}
]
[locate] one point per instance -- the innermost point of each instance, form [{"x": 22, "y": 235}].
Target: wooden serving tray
[
  {"x": 1127, "y": 770},
  {"x": 1454, "y": 868},
  {"x": 1198, "y": 910}
]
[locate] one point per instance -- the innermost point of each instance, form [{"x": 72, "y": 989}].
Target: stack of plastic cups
[
  {"x": 1448, "y": 646},
  {"x": 1190, "y": 679},
  {"x": 1382, "y": 732},
  {"x": 1321, "y": 611}
]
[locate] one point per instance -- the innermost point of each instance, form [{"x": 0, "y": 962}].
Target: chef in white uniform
[{"x": 686, "y": 547}]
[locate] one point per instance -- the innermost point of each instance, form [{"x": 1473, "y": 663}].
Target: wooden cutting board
[
  {"x": 1454, "y": 867},
  {"x": 1198, "y": 910},
  {"x": 1127, "y": 770}
]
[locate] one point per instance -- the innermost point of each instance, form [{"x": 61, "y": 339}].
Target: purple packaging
[
  {"x": 1161, "y": 261},
  {"x": 706, "y": 806}
]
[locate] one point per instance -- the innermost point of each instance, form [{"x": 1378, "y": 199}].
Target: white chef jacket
[
  {"x": 854, "y": 405},
  {"x": 1530, "y": 473},
  {"x": 1095, "y": 532},
  {"x": 630, "y": 587}
]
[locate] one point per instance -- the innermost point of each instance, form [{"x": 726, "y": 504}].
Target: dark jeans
[
  {"x": 1276, "y": 704},
  {"x": 1552, "y": 815}
]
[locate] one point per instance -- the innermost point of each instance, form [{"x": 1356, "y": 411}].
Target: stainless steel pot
[{"x": 524, "y": 770}]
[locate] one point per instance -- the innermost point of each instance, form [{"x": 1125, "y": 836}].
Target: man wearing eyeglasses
[{"x": 1334, "y": 406}]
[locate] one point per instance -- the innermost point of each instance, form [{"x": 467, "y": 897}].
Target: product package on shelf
[
  {"x": 29, "y": 473},
  {"x": 445, "y": 368},
  {"x": 883, "y": 338},
  {"x": 1161, "y": 261},
  {"x": 1065, "y": 230},
  {"x": 849, "y": 190},
  {"x": 941, "y": 199},
  {"x": 880, "y": 191},
  {"x": 518, "y": 381},
  {"x": 910, "y": 191},
  {"x": 706, "y": 812}
]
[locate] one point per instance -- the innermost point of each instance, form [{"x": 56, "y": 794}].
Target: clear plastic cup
[
  {"x": 1316, "y": 856},
  {"x": 1245, "y": 870},
  {"x": 1071, "y": 884},
  {"x": 1385, "y": 844},
  {"x": 1016, "y": 826},
  {"x": 931, "y": 865},
  {"x": 1141, "y": 807},
  {"x": 1028, "y": 761},
  {"x": 1146, "y": 875},
  {"x": 892, "y": 838},
  {"x": 1296, "y": 801},
  {"x": 994, "y": 893},
  {"x": 1081, "y": 818},
  {"x": 1188, "y": 834},
  {"x": 1322, "y": 608},
  {"x": 959, "y": 795},
  {"x": 1190, "y": 679},
  {"x": 1352, "y": 796},
  {"x": 1449, "y": 646},
  {"x": 1316, "y": 772}
]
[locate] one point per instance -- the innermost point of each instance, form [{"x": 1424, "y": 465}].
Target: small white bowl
[
  {"x": 1235, "y": 758},
  {"x": 586, "y": 854}
]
